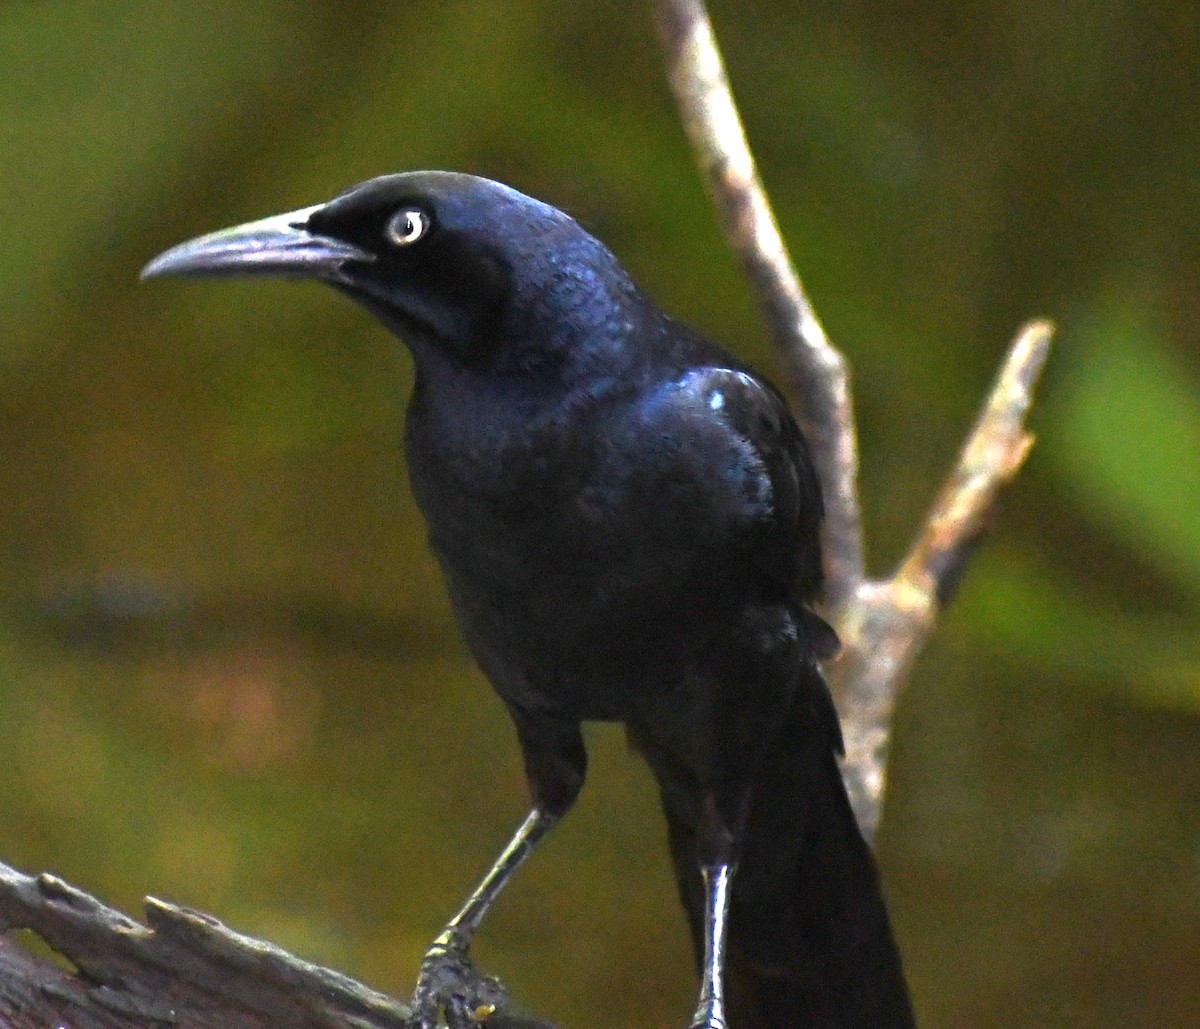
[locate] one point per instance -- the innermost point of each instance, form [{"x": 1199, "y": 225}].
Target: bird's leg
[
  {"x": 448, "y": 979},
  {"x": 722, "y": 824},
  {"x": 710, "y": 1011},
  {"x": 555, "y": 765}
]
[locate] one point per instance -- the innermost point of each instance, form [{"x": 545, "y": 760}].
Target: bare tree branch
[
  {"x": 181, "y": 969},
  {"x": 882, "y": 624}
]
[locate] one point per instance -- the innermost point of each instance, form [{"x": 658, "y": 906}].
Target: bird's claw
[{"x": 450, "y": 984}]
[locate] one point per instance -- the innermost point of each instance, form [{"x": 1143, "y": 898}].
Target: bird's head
[{"x": 448, "y": 261}]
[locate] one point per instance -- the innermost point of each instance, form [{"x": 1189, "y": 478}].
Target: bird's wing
[
  {"x": 765, "y": 462},
  {"x": 743, "y": 440}
]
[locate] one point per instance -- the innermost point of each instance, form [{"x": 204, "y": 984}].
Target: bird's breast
[{"x": 563, "y": 567}]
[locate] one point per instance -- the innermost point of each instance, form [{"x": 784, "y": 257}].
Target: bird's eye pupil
[{"x": 407, "y": 226}]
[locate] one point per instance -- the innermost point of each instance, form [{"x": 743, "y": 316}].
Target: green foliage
[{"x": 1129, "y": 427}]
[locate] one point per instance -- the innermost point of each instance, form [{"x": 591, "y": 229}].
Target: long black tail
[{"x": 810, "y": 944}]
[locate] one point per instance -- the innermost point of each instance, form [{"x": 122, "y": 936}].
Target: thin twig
[
  {"x": 817, "y": 373},
  {"x": 992, "y": 455}
]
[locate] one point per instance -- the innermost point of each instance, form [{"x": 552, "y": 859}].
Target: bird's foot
[{"x": 452, "y": 986}]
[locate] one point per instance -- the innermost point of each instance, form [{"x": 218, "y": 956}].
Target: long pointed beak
[{"x": 280, "y": 245}]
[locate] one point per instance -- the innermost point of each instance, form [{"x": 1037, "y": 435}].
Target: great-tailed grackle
[{"x": 627, "y": 518}]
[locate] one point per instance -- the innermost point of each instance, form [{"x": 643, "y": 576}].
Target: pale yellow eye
[{"x": 407, "y": 226}]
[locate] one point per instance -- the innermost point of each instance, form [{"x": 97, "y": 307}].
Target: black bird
[{"x": 627, "y": 519}]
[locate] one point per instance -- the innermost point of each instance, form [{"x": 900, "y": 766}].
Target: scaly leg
[
  {"x": 448, "y": 979},
  {"x": 710, "y": 1011}
]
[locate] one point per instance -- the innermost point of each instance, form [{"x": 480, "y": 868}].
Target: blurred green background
[{"x": 229, "y": 672}]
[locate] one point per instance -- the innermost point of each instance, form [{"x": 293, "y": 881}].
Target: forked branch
[{"x": 886, "y": 623}]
